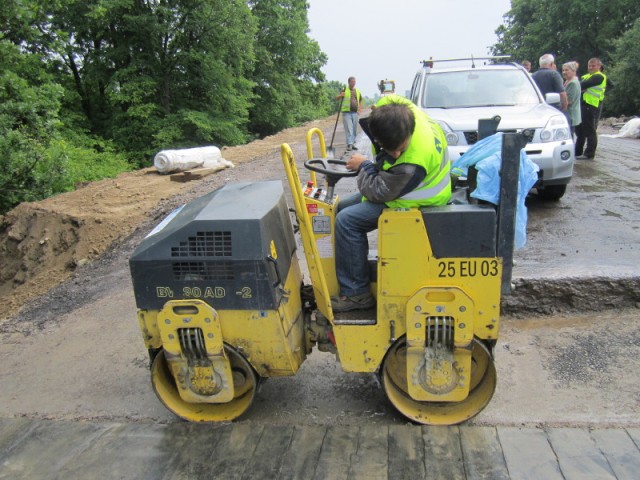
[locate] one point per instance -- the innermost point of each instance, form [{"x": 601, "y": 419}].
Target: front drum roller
[
  {"x": 245, "y": 383},
  {"x": 481, "y": 388}
]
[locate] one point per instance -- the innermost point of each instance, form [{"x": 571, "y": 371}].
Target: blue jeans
[
  {"x": 353, "y": 221},
  {"x": 350, "y": 123}
]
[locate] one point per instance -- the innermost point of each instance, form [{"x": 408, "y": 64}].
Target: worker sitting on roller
[{"x": 411, "y": 169}]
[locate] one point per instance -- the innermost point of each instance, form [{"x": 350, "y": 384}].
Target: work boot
[{"x": 356, "y": 302}]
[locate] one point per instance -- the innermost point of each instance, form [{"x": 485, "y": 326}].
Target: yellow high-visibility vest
[
  {"x": 594, "y": 95},
  {"x": 346, "y": 102},
  {"x": 428, "y": 148}
]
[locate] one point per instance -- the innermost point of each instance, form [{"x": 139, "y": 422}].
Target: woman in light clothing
[{"x": 572, "y": 87}]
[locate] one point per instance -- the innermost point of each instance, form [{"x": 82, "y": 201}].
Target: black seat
[{"x": 461, "y": 231}]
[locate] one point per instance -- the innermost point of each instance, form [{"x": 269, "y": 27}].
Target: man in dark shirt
[{"x": 549, "y": 79}]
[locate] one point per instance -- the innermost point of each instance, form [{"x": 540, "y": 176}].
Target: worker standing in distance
[
  {"x": 351, "y": 108},
  {"x": 410, "y": 169},
  {"x": 593, "y": 86}
]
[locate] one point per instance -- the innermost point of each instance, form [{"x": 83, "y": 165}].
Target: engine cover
[{"x": 230, "y": 248}]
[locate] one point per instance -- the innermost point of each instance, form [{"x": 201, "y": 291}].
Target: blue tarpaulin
[{"x": 486, "y": 157}]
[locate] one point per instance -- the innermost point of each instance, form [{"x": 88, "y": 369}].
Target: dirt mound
[{"x": 42, "y": 243}]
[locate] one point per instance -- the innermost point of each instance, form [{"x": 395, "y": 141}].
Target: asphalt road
[
  {"x": 577, "y": 366},
  {"x": 595, "y": 228}
]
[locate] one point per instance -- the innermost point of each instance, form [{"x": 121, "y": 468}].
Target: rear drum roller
[
  {"x": 481, "y": 388},
  {"x": 245, "y": 383}
]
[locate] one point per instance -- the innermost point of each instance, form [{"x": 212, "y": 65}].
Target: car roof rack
[{"x": 429, "y": 63}]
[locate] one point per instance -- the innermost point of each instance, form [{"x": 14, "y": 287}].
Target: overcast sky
[{"x": 376, "y": 39}]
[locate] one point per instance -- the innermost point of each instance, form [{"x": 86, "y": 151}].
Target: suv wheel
[{"x": 552, "y": 192}]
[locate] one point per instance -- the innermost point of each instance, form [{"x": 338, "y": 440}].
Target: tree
[
  {"x": 624, "y": 98},
  {"x": 29, "y": 108},
  {"x": 149, "y": 73},
  {"x": 571, "y": 30},
  {"x": 186, "y": 84},
  {"x": 85, "y": 83},
  {"x": 39, "y": 154},
  {"x": 332, "y": 89},
  {"x": 287, "y": 70}
]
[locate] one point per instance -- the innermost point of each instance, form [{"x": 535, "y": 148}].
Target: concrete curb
[{"x": 551, "y": 296}]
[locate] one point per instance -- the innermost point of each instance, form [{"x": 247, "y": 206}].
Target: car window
[
  {"x": 478, "y": 88},
  {"x": 414, "y": 88}
]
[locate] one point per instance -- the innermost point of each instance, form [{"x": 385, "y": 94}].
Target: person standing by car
[
  {"x": 593, "y": 85},
  {"x": 549, "y": 80},
  {"x": 411, "y": 169},
  {"x": 351, "y": 108},
  {"x": 572, "y": 87}
]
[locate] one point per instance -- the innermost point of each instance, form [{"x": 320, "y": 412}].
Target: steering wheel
[{"x": 334, "y": 169}]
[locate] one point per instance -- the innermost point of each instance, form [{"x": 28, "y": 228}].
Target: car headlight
[
  {"x": 450, "y": 135},
  {"x": 557, "y": 128}
]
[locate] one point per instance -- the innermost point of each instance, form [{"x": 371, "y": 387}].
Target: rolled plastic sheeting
[{"x": 167, "y": 161}]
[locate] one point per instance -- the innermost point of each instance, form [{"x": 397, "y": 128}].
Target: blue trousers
[
  {"x": 350, "y": 123},
  {"x": 353, "y": 221}
]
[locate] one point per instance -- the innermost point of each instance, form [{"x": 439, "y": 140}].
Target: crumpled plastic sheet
[
  {"x": 486, "y": 157},
  {"x": 631, "y": 129}
]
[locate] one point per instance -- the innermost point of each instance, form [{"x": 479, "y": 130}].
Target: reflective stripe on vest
[
  {"x": 422, "y": 193},
  {"x": 435, "y": 189},
  {"x": 594, "y": 95}
]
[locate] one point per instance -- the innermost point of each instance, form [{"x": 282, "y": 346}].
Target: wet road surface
[{"x": 566, "y": 404}]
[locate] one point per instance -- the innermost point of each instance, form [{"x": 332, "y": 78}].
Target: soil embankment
[{"x": 43, "y": 243}]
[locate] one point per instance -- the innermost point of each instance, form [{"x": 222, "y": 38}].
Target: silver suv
[{"x": 458, "y": 96}]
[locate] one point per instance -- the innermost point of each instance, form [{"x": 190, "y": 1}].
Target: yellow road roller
[{"x": 222, "y": 301}]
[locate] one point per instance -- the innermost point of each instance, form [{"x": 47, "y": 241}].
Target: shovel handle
[{"x": 336, "y": 125}]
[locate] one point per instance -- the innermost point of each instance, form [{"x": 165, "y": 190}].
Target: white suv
[{"x": 458, "y": 96}]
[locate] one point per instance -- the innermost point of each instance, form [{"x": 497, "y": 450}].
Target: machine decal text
[
  {"x": 245, "y": 292},
  {"x": 468, "y": 268},
  {"x": 192, "y": 292},
  {"x": 163, "y": 292}
]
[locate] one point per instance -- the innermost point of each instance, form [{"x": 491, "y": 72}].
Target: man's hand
[{"x": 355, "y": 161}]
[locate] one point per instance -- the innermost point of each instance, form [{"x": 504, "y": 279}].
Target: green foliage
[
  {"x": 39, "y": 155},
  {"x": 39, "y": 158},
  {"x": 93, "y": 87},
  {"x": 190, "y": 128},
  {"x": 332, "y": 89},
  {"x": 287, "y": 67},
  {"x": 625, "y": 97},
  {"x": 80, "y": 158},
  {"x": 182, "y": 78},
  {"x": 573, "y": 30},
  {"x": 28, "y": 120}
]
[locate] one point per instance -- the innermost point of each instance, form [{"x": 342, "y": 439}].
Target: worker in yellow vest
[
  {"x": 593, "y": 86},
  {"x": 410, "y": 169},
  {"x": 351, "y": 108}
]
